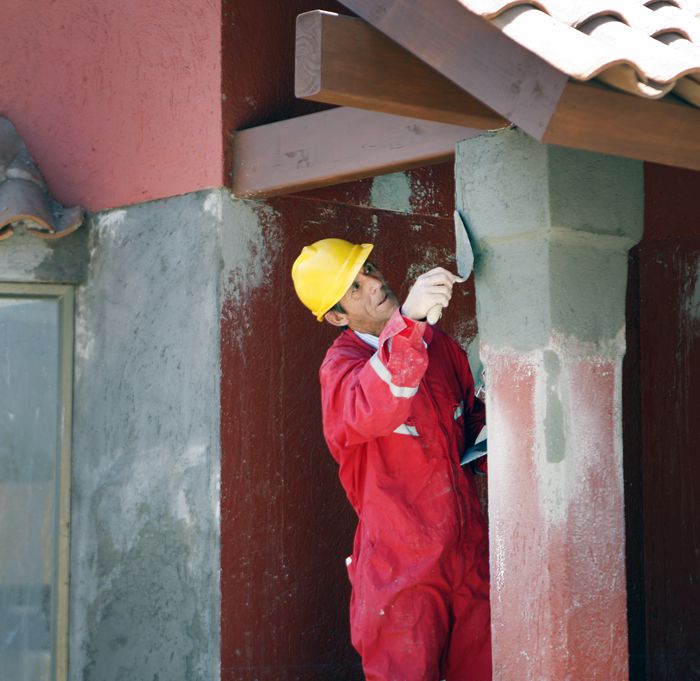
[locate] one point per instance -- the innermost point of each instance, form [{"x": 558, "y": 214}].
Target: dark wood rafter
[
  {"x": 596, "y": 118},
  {"x": 475, "y": 55},
  {"x": 333, "y": 146},
  {"x": 343, "y": 60}
]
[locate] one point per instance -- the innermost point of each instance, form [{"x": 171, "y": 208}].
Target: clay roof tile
[
  {"x": 649, "y": 48},
  {"x": 24, "y": 200}
]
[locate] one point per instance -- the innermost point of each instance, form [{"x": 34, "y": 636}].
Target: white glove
[{"x": 433, "y": 289}]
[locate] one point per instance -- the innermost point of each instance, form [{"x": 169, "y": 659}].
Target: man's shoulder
[
  {"x": 349, "y": 343},
  {"x": 346, "y": 347}
]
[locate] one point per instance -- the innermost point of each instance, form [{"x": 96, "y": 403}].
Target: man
[{"x": 398, "y": 410}]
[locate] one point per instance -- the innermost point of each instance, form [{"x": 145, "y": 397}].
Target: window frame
[{"x": 64, "y": 294}]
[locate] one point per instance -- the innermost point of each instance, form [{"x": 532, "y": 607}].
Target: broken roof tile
[
  {"x": 24, "y": 200},
  {"x": 648, "y": 48}
]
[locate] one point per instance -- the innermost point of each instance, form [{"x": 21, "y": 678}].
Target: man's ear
[{"x": 336, "y": 318}]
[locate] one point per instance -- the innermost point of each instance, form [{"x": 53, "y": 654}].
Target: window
[{"x": 36, "y": 353}]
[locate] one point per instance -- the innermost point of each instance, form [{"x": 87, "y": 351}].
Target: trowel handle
[{"x": 434, "y": 314}]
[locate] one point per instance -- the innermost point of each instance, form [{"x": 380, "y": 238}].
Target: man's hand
[{"x": 432, "y": 288}]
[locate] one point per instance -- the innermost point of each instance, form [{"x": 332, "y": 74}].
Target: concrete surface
[
  {"x": 26, "y": 258},
  {"x": 145, "y": 538},
  {"x": 556, "y": 234},
  {"x": 552, "y": 229}
]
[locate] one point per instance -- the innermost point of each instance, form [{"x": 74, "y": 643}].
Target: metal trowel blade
[{"x": 464, "y": 256}]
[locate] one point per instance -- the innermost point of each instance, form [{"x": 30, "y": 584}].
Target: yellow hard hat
[{"x": 324, "y": 271}]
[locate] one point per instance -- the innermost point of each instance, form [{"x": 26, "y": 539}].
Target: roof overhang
[{"x": 441, "y": 63}]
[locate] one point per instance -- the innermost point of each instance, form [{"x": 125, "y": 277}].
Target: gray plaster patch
[
  {"x": 555, "y": 440},
  {"x": 392, "y": 192},
  {"x": 552, "y": 229},
  {"x": 596, "y": 193},
  {"x": 501, "y": 183},
  {"x": 27, "y": 258},
  {"x": 145, "y": 524},
  {"x": 508, "y": 183}
]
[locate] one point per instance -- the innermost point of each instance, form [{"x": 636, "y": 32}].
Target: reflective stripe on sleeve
[
  {"x": 383, "y": 373},
  {"x": 405, "y": 429}
]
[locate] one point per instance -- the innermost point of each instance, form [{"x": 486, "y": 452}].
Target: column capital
[
  {"x": 509, "y": 184},
  {"x": 551, "y": 227}
]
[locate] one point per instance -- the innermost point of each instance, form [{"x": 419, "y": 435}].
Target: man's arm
[{"x": 365, "y": 399}]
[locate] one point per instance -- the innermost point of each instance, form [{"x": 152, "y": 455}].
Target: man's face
[{"x": 368, "y": 303}]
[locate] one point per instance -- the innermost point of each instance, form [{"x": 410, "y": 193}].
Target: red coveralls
[{"x": 396, "y": 421}]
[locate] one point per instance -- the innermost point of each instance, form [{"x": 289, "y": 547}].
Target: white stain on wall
[
  {"x": 110, "y": 220},
  {"x": 214, "y": 205},
  {"x": 251, "y": 242},
  {"x": 692, "y": 299}
]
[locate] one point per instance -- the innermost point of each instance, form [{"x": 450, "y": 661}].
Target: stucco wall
[
  {"x": 144, "y": 587},
  {"x": 669, "y": 325},
  {"x": 145, "y": 537},
  {"x": 118, "y": 101},
  {"x": 286, "y": 526}
]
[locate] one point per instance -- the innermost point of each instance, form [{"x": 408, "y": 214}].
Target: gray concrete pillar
[{"x": 552, "y": 228}]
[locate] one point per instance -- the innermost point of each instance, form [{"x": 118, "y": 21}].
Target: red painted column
[{"x": 552, "y": 228}]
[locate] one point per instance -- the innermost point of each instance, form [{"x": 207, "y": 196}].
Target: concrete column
[{"x": 552, "y": 228}]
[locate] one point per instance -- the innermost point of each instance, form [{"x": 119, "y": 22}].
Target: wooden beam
[
  {"x": 597, "y": 118},
  {"x": 473, "y": 54},
  {"x": 591, "y": 116},
  {"x": 333, "y": 146},
  {"x": 343, "y": 60}
]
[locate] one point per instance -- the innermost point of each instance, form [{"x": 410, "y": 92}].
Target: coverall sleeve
[{"x": 362, "y": 398}]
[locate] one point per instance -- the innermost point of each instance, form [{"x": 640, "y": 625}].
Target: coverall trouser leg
[{"x": 422, "y": 632}]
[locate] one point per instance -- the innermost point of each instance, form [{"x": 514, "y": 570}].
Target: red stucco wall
[
  {"x": 286, "y": 526},
  {"x": 119, "y": 101},
  {"x": 258, "y": 63},
  {"x": 669, "y": 344}
]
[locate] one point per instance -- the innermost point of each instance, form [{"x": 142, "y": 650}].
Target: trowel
[{"x": 464, "y": 257}]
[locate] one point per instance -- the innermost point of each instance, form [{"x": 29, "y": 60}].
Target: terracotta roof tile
[
  {"x": 646, "y": 48},
  {"x": 24, "y": 201}
]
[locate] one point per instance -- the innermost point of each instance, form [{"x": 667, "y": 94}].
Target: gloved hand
[{"x": 431, "y": 288}]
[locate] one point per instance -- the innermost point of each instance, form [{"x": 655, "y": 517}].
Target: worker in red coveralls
[{"x": 398, "y": 410}]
